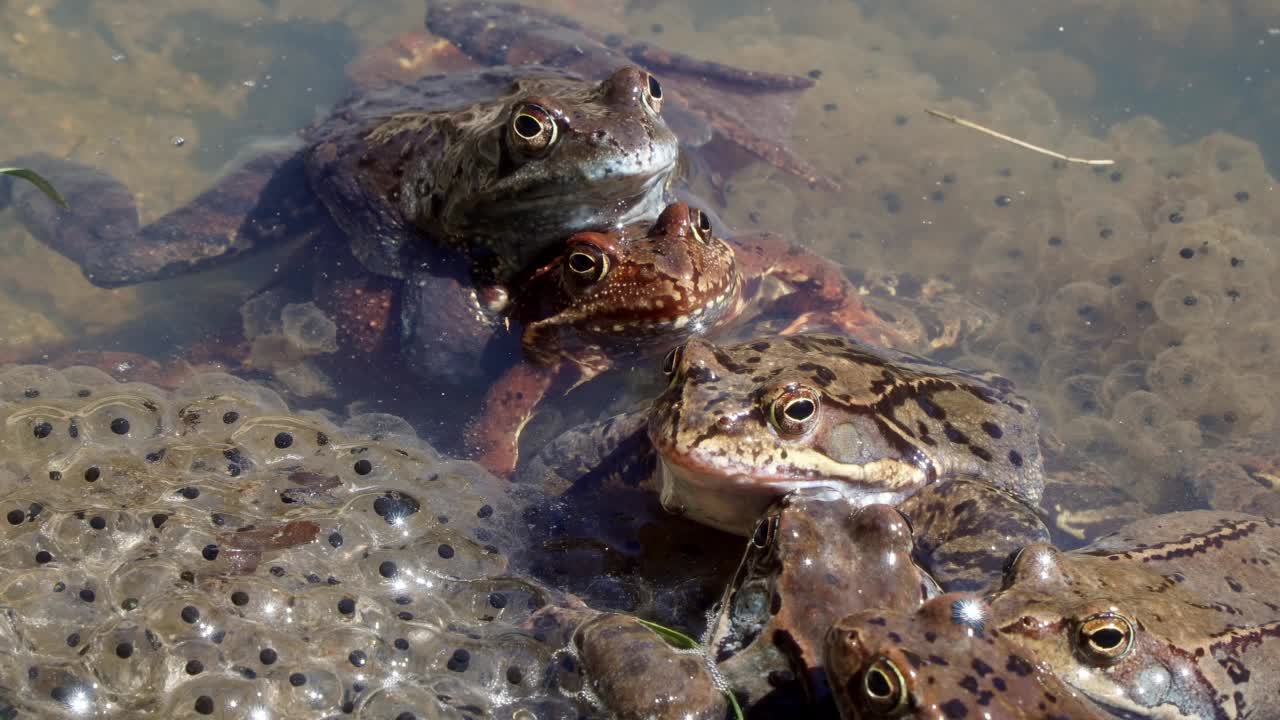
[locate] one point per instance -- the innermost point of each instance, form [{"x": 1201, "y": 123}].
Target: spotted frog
[
  {"x": 642, "y": 288},
  {"x": 1172, "y": 617},
  {"x": 940, "y": 663},
  {"x": 742, "y": 424},
  {"x": 812, "y": 559}
]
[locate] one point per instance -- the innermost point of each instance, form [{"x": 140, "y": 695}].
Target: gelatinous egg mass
[{"x": 208, "y": 553}]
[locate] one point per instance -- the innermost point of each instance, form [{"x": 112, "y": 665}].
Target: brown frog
[
  {"x": 641, "y": 288},
  {"x": 1172, "y": 617},
  {"x": 447, "y": 186},
  {"x": 744, "y": 109},
  {"x": 940, "y": 663},
  {"x": 740, "y": 425},
  {"x": 632, "y": 673},
  {"x": 813, "y": 559}
]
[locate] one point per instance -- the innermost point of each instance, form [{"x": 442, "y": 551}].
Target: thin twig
[{"x": 1016, "y": 141}]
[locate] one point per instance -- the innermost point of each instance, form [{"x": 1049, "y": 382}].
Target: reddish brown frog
[{"x": 644, "y": 287}]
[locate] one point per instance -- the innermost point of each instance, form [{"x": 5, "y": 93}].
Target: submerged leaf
[
  {"x": 674, "y": 638},
  {"x": 36, "y": 179}
]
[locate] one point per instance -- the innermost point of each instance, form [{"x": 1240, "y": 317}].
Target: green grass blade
[
  {"x": 36, "y": 179},
  {"x": 680, "y": 641},
  {"x": 674, "y": 638},
  {"x": 737, "y": 709}
]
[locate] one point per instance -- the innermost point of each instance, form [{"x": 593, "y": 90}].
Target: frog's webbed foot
[
  {"x": 1080, "y": 506},
  {"x": 822, "y": 296},
  {"x": 593, "y": 455},
  {"x": 749, "y": 120},
  {"x": 404, "y": 59},
  {"x": 265, "y": 201},
  {"x": 965, "y": 529},
  {"x": 508, "y": 407}
]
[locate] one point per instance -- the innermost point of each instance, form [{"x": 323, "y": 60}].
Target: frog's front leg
[
  {"x": 822, "y": 295},
  {"x": 594, "y": 455},
  {"x": 448, "y": 328},
  {"x": 965, "y": 529},
  {"x": 265, "y": 201},
  {"x": 508, "y": 407}
]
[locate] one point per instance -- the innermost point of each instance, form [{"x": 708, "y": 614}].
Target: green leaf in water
[
  {"x": 680, "y": 641},
  {"x": 38, "y": 180},
  {"x": 674, "y": 638}
]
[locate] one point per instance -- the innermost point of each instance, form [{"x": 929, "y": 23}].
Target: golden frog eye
[
  {"x": 588, "y": 263},
  {"x": 884, "y": 689},
  {"x": 795, "y": 410},
  {"x": 1104, "y": 638},
  {"x": 652, "y": 94},
  {"x": 533, "y": 130},
  {"x": 701, "y": 225}
]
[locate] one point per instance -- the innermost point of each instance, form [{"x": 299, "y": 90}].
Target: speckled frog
[
  {"x": 940, "y": 663},
  {"x": 1174, "y": 616},
  {"x": 813, "y": 559},
  {"x": 740, "y": 425}
]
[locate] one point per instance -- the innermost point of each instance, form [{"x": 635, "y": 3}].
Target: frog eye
[
  {"x": 587, "y": 263},
  {"x": 652, "y": 94},
  {"x": 794, "y": 411},
  {"x": 701, "y": 225},
  {"x": 1105, "y": 638},
  {"x": 671, "y": 362},
  {"x": 533, "y": 130},
  {"x": 911, "y": 529},
  {"x": 766, "y": 531},
  {"x": 1010, "y": 562},
  {"x": 884, "y": 689}
]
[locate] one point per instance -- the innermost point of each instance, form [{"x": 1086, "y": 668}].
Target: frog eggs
[{"x": 209, "y": 553}]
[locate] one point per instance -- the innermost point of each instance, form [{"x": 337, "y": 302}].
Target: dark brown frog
[
  {"x": 447, "y": 186},
  {"x": 744, "y": 109}
]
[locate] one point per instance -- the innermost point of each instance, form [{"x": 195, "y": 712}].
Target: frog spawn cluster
[{"x": 206, "y": 552}]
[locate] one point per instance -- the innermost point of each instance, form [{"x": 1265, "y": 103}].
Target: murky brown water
[{"x": 1132, "y": 302}]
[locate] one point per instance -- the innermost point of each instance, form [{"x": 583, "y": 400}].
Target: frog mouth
[{"x": 733, "y": 502}]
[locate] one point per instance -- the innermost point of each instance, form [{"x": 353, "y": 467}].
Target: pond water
[{"x": 1131, "y": 304}]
